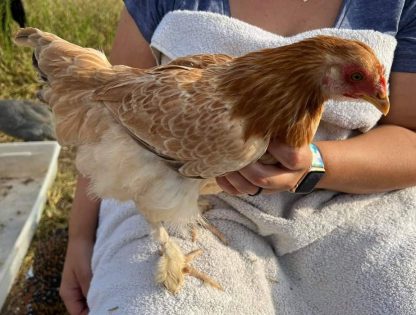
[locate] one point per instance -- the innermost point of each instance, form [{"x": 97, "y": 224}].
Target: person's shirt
[{"x": 397, "y": 18}]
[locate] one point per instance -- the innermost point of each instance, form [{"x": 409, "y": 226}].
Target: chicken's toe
[
  {"x": 204, "y": 205},
  {"x": 214, "y": 230},
  {"x": 188, "y": 269}
]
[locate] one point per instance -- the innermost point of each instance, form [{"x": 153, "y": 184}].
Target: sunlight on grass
[{"x": 85, "y": 23}]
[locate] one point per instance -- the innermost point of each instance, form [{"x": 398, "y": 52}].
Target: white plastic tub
[{"x": 27, "y": 170}]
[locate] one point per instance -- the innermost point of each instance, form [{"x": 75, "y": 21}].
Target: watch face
[{"x": 309, "y": 182}]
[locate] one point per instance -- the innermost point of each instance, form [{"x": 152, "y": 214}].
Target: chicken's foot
[{"x": 174, "y": 265}]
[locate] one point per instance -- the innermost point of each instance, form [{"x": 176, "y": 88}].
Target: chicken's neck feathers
[{"x": 277, "y": 94}]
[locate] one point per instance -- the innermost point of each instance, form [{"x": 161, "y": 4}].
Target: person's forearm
[
  {"x": 84, "y": 214},
  {"x": 383, "y": 159}
]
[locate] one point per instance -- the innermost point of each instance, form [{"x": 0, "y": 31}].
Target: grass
[{"x": 86, "y": 23}]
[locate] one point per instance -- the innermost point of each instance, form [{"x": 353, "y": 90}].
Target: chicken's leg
[{"x": 204, "y": 206}]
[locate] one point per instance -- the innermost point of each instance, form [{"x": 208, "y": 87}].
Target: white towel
[{"x": 336, "y": 253}]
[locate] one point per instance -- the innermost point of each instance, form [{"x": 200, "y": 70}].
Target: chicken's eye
[{"x": 357, "y": 76}]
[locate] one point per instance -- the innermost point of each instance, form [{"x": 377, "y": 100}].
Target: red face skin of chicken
[{"x": 360, "y": 84}]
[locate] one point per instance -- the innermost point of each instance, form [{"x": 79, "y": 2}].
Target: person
[{"x": 378, "y": 161}]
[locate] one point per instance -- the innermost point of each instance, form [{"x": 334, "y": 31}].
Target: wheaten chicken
[
  {"x": 155, "y": 135},
  {"x": 26, "y": 120}
]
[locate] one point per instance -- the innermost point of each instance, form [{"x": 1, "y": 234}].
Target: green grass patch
[{"x": 85, "y": 23}]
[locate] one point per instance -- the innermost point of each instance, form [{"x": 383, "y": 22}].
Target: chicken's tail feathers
[
  {"x": 32, "y": 37},
  {"x": 71, "y": 75},
  {"x": 57, "y": 59}
]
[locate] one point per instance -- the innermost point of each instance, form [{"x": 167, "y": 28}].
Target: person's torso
[{"x": 289, "y": 17}]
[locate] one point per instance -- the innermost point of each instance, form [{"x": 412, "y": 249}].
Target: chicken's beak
[{"x": 380, "y": 101}]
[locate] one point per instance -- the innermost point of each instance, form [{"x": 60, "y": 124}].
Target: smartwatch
[{"x": 310, "y": 179}]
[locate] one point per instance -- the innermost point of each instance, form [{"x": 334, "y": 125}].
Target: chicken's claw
[{"x": 204, "y": 205}]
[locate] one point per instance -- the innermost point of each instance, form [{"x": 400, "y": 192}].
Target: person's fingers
[
  {"x": 293, "y": 158},
  {"x": 294, "y": 162},
  {"x": 84, "y": 278},
  {"x": 241, "y": 184},
  {"x": 76, "y": 276},
  {"x": 270, "y": 177},
  {"x": 226, "y": 185},
  {"x": 72, "y": 296}
]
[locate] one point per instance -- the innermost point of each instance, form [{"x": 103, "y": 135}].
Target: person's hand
[
  {"x": 76, "y": 276},
  {"x": 292, "y": 164}
]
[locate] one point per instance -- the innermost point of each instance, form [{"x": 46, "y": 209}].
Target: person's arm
[
  {"x": 381, "y": 160},
  {"x": 77, "y": 274},
  {"x": 129, "y": 48}
]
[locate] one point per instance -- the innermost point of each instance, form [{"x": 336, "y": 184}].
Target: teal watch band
[{"x": 311, "y": 178}]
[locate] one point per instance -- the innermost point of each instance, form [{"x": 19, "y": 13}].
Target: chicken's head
[{"x": 357, "y": 75}]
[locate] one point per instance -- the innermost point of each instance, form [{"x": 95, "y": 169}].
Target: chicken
[
  {"x": 26, "y": 120},
  {"x": 157, "y": 136}
]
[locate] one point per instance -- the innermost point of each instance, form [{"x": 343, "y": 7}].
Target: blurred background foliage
[{"x": 85, "y": 23}]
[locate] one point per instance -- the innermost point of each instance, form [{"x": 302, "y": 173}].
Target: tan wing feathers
[
  {"x": 180, "y": 117},
  {"x": 32, "y": 37}
]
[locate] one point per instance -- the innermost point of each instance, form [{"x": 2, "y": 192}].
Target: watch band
[{"x": 310, "y": 179}]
